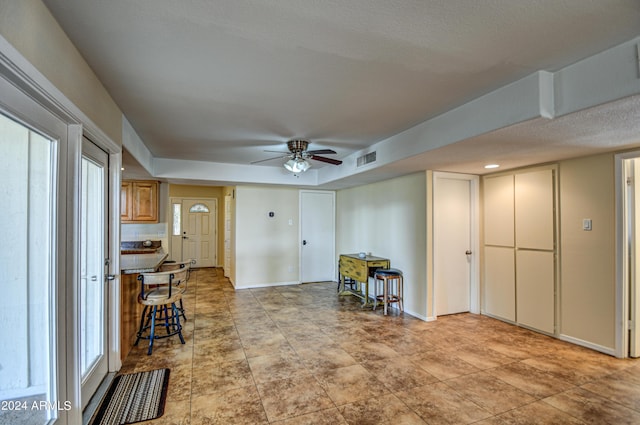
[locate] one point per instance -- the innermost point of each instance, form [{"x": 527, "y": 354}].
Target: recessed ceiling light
[
  {"x": 488, "y": 166},
  {"x": 121, "y": 168}
]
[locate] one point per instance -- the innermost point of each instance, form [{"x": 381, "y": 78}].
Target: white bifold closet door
[{"x": 519, "y": 249}]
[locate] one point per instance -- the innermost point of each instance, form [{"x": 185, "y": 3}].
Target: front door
[
  {"x": 317, "y": 230},
  {"x": 199, "y": 231},
  {"x": 93, "y": 284},
  {"x": 452, "y": 242}
]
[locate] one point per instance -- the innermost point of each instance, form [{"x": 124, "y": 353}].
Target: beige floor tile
[
  {"x": 533, "y": 381},
  {"x": 443, "y": 364},
  {"x": 440, "y": 404},
  {"x": 276, "y": 367},
  {"x": 292, "y": 397},
  {"x": 237, "y": 406},
  {"x": 221, "y": 377},
  {"x": 349, "y": 384},
  {"x": 593, "y": 409},
  {"x": 489, "y": 392},
  {"x": 538, "y": 413},
  {"x": 399, "y": 373},
  {"x": 383, "y": 410},
  {"x": 323, "y": 417}
]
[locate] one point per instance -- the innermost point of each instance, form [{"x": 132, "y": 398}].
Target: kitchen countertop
[{"x": 142, "y": 263}]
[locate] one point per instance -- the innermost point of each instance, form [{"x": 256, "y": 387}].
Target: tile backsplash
[{"x": 142, "y": 232}]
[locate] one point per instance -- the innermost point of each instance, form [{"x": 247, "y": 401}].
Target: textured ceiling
[{"x": 222, "y": 80}]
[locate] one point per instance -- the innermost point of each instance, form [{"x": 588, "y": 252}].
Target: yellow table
[{"x": 359, "y": 269}]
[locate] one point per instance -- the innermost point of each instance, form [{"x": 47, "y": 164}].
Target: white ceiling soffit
[{"x": 207, "y": 86}]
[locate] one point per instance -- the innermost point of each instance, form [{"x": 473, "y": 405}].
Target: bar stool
[
  {"x": 180, "y": 285},
  {"x": 389, "y": 278},
  {"x": 159, "y": 296}
]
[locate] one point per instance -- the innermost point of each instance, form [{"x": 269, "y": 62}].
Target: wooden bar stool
[
  {"x": 179, "y": 284},
  {"x": 159, "y": 296},
  {"x": 389, "y": 278}
]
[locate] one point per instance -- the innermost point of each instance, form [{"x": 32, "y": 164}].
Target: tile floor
[{"x": 303, "y": 355}]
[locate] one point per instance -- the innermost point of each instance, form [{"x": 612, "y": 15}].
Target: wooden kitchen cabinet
[{"x": 139, "y": 201}]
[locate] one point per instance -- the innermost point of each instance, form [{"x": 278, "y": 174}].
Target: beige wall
[
  {"x": 388, "y": 219},
  {"x": 212, "y": 192},
  {"x": 32, "y": 30},
  {"x": 267, "y": 250},
  {"x": 587, "y": 290}
]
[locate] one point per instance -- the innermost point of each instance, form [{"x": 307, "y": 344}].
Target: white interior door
[
  {"x": 633, "y": 209},
  {"x": 227, "y": 235},
  {"x": 317, "y": 231},
  {"x": 199, "y": 231},
  {"x": 93, "y": 284},
  {"x": 452, "y": 244}
]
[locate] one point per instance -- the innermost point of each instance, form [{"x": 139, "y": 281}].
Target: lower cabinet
[{"x": 130, "y": 312}]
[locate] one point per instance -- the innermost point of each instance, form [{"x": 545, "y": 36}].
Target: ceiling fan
[{"x": 299, "y": 155}]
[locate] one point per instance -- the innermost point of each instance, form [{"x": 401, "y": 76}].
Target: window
[
  {"x": 199, "y": 208},
  {"x": 177, "y": 211}
]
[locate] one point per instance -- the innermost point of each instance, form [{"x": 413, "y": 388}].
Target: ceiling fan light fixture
[{"x": 297, "y": 165}]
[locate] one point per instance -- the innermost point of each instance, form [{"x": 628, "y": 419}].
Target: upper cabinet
[{"x": 139, "y": 201}]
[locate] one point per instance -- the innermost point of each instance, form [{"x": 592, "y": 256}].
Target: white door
[
  {"x": 199, "y": 231},
  {"x": 633, "y": 208},
  {"x": 93, "y": 284},
  {"x": 227, "y": 235},
  {"x": 317, "y": 231},
  {"x": 452, "y": 244}
]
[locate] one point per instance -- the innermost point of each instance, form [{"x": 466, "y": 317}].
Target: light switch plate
[{"x": 586, "y": 224}]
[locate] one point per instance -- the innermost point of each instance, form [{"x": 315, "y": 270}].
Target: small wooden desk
[{"x": 359, "y": 269}]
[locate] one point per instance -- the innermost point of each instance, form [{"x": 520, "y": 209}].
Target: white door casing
[{"x": 317, "y": 236}]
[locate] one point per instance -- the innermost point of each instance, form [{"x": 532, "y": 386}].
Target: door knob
[{"x": 467, "y": 252}]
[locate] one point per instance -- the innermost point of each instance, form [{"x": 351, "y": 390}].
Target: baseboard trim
[{"x": 597, "y": 347}]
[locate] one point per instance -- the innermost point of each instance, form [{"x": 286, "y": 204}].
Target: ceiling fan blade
[
  {"x": 269, "y": 159},
  {"x": 321, "y": 152},
  {"x": 327, "y": 160},
  {"x": 287, "y": 153}
]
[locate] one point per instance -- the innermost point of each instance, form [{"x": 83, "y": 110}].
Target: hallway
[{"x": 303, "y": 355}]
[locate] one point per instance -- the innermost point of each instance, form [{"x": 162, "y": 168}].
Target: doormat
[{"x": 132, "y": 398}]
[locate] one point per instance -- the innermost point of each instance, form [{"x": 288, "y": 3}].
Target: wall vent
[{"x": 366, "y": 159}]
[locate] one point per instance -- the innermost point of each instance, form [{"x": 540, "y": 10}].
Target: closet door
[
  {"x": 499, "y": 250},
  {"x": 499, "y": 282},
  {"x": 535, "y": 256}
]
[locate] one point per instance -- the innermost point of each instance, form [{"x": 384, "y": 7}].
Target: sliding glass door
[
  {"x": 28, "y": 359},
  {"x": 93, "y": 285}
]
